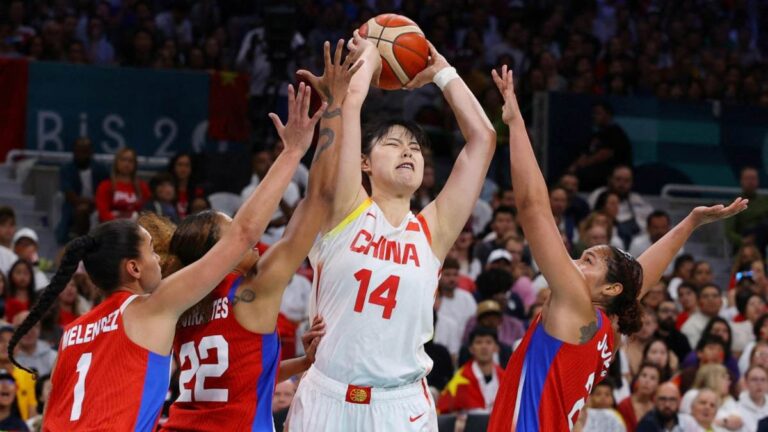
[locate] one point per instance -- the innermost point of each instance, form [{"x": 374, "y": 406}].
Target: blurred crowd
[{"x": 700, "y": 360}]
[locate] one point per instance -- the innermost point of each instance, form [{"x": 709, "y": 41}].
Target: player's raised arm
[
  {"x": 348, "y": 189},
  {"x": 656, "y": 258},
  {"x": 186, "y": 287},
  {"x": 534, "y": 212},
  {"x": 453, "y": 206},
  {"x": 279, "y": 263}
]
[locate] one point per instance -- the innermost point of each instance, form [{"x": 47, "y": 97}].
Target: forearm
[
  {"x": 470, "y": 116},
  {"x": 656, "y": 258},
  {"x": 322, "y": 181},
  {"x": 256, "y": 212},
  {"x": 291, "y": 367},
  {"x": 531, "y": 195}
]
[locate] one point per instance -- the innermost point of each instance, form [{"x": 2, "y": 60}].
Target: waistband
[{"x": 362, "y": 394}]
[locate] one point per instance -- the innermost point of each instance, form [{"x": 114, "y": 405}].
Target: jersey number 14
[{"x": 384, "y": 295}]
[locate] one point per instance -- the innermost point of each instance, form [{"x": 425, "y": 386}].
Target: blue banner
[
  {"x": 156, "y": 112},
  {"x": 703, "y": 143}
]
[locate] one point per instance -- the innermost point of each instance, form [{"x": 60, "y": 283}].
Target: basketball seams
[{"x": 385, "y": 31}]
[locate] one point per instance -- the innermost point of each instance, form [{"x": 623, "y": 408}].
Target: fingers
[
  {"x": 337, "y": 54},
  {"x": 356, "y": 67},
  {"x": 309, "y": 76},
  {"x": 276, "y": 121},
  {"x": 327, "y": 54},
  {"x": 291, "y": 100},
  {"x": 306, "y": 92},
  {"x": 319, "y": 113}
]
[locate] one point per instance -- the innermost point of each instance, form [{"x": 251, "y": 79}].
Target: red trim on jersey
[
  {"x": 358, "y": 395},
  {"x": 317, "y": 287},
  {"x": 413, "y": 226},
  {"x": 424, "y": 387},
  {"x": 424, "y": 225}
]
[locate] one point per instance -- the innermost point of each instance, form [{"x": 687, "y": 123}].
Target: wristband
[{"x": 444, "y": 76}]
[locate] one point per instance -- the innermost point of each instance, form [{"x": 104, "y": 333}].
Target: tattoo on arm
[
  {"x": 587, "y": 332},
  {"x": 327, "y": 93},
  {"x": 247, "y": 296},
  {"x": 324, "y": 140}
]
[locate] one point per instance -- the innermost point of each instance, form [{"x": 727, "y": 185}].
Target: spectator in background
[
  {"x": 578, "y": 208},
  {"x": 656, "y": 352},
  {"x": 199, "y": 204},
  {"x": 78, "y": 181},
  {"x": 596, "y": 229},
  {"x": 752, "y": 404},
  {"x": 657, "y": 224},
  {"x": 701, "y": 274},
  {"x": 742, "y": 262},
  {"x": 750, "y": 306},
  {"x": 175, "y": 24},
  {"x": 558, "y": 201},
  {"x": 469, "y": 266},
  {"x": 640, "y": 402},
  {"x": 676, "y": 341},
  {"x": 704, "y": 408},
  {"x": 99, "y": 48},
  {"x": 749, "y": 226},
  {"x": 34, "y": 353},
  {"x": 473, "y": 388},
  {"x": 182, "y": 171},
  {"x": 489, "y": 315},
  {"x": 7, "y": 229},
  {"x": 456, "y": 304},
  {"x": 760, "y": 331},
  {"x": 21, "y": 293},
  {"x": 262, "y": 160},
  {"x": 43, "y": 390},
  {"x": 25, "y": 382},
  {"x": 122, "y": 195},
  {"x": 719, "y": 327},
  {"x": 283, "y": 395},
  {"x": 601, "y": 414},
  {"x": 502, "y": 224},
  {"x": 716, "y": 378},
  {"x": 637, "y": 342},
  {"x": 608, "y": 147},
  {"x": 633, "y": 209},
  {"x": 681, "y": 272},
  {"x": 710, "y": 350},
  {"x": 665, "y": 417},
  {"x": 9, "y": 419},
  {"x": 710, "y": 301},
  {"x": 163, "y": 197},
  {"x": 25, "y": 246}
]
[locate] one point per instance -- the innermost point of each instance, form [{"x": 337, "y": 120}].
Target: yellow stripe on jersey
[{"x": 350, "y": 217}]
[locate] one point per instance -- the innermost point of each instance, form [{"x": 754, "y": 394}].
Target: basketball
[{"x": 402, "y": 45}]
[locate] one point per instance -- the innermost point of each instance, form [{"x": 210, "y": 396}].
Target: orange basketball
[{"x": 402, "y": 45}]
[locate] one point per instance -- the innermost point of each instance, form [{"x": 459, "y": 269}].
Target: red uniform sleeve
[{"x": 103, "y": 201}]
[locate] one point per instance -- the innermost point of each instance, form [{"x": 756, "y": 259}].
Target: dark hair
[
  {"x": 12, "y": 289},
  {"x": 625, "y": 270},
  {"x": 682, "y": 259},
  {"x": 705, "y": 286},
  {"x": 711, "y": 339},
  {"x": 159, "y": 179},
  {"x": 604, "y": 105},
  {"x": 503, "y": 210},
  {"x": 657, "y": 214},
  {"x": 481, "y": 331},
  {"x": 195, "y": 236},
  {"x": 602, "y": 199},
  {"x": 606, "y": 382},
  {"x": 758, "y": 325},
  {"x": 493, "y": 281},
  {"x": 695, "y": 289},
  {"x": 748, "y": 167},
  {"x": 742, "y": 298},
  {"x": 102, "y": 253},
  {"x": 645, "y": 365},
  {"x": 7, "y": 214},
  {"x": 708, "y": 332},
  {"x": 666, "y": 370},
  {"x": 377, "y": 130},
  {"x": 450, "y": 263}
]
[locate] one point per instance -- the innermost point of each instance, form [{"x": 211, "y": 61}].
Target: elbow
[{"x": 486, "y": 134}]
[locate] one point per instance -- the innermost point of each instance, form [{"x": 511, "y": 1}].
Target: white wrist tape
[{"x": 444, "y": 76}]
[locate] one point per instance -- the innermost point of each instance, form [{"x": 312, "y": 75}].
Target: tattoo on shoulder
[
  {"x": 247, "y": 296},
  {"x": 587, "y": 332}
]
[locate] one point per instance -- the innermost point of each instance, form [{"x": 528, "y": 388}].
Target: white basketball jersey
[{"x": 374, "y": 285}]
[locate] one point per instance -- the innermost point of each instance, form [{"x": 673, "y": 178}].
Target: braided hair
[
  {"x": 102, "y": 253},
  {"x": 624, "y": 269}
]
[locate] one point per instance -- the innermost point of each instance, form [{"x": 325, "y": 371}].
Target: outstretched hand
[
  {"x": 703, "y": 215},
  {"x": 311, "y": 339},
  {"x": 297, "y": 133},
  {"x": 334, "y": 82},
  {"x": 361, "y": 46},
  {"x": 435, "y": 63},
  {"x": 506, "y": 85}
]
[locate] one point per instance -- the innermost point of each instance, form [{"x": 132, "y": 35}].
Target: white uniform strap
[{"x": 127, "y": 302}]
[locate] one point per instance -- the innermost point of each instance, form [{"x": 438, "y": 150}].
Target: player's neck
[{"x": 394, "y": 207}]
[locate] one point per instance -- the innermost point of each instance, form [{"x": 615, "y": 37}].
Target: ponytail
[{"x": 76, "y": 250}]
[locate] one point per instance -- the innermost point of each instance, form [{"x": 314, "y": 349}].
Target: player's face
[
  {"x": 396, "y": 162},
  {"x": 593, "y": 264},
  {"x": 149, "y": 261}
]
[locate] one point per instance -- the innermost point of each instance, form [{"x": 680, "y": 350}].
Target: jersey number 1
[
  {"x": 82, "y": 370},
  {"x": 384, "y": 295}
]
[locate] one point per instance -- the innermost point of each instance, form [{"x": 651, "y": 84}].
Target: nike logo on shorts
[{"x": 413, "y": 419}]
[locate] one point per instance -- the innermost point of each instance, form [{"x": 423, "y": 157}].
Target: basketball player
[
  {"x": 377, "y": 264},
  {"x": 114, "y": 361},
  {"x": 227, "y": 347},
  {"x": 570, "y": 344}
]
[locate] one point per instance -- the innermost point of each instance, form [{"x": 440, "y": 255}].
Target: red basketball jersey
[
  {"x": 103, "y": 380},
  {"x": 547, "y": 380},
  {"x": 227, "y": 373}
]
